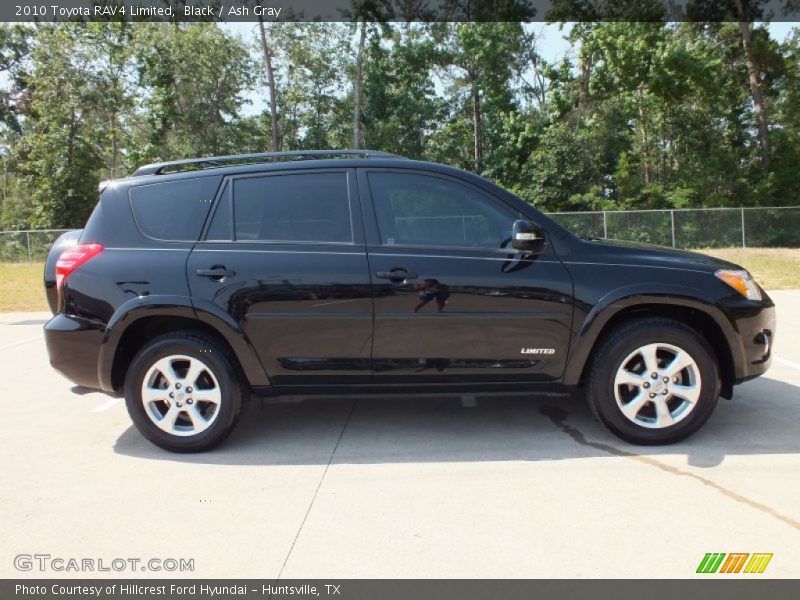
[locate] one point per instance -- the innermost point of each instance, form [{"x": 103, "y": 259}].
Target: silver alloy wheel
[
  {"x": 657, "y": 385},
  {"x": 181, "y": 395}
]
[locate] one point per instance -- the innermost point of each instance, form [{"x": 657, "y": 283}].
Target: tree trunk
[
  {"x": 648, "y": 175},
  {"x": 746, "y": 29},
  {"x": 357, "y": 136},
  {"x": 66, "y": 207},
  {"x": 583, "y": 85},
  {"x": 273, "y": 108},
  {"x": 114, "y": 145},
  {"x": 476, "y": 126}
]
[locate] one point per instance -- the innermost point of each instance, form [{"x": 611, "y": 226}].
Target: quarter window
[
  {"x": 173, "y": 211},
  {"x": 422, "y": 210},
  {"x": 304, "y": 207}
]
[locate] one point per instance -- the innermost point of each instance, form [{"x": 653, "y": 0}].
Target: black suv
[{"x": 196, "y": 283}]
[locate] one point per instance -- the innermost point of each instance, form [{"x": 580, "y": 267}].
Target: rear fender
[{"x": 174, "y": 306}]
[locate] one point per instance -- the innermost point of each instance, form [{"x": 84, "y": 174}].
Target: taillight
[{"x": 72, "y": 258}]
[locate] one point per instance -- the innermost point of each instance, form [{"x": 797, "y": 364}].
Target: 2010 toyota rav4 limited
[{"x": 196, "y": 283}]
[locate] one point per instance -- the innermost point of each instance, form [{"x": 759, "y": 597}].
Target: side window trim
[
  {"x": 371, "y": 216},
  {"x": 222, "y": 201}
]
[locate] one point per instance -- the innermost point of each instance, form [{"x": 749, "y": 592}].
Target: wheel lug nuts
[
  {"x": 666, "y": 379},
  {"x": 664, "y": 393},
  {"x": 646, "y": 385},
  {"x": 177, "y": 386},
  {"x": 189, "y": 390},
  {"x": 179, "y": 404},
  {"x": 651, "y": 395},
  {"x": 189, "y": 401},
  {"x": 172, "y": 394},
  {"x": 654, "y": 375}
]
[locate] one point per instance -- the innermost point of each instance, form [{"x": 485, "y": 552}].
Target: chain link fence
[
  {"x": 679, "y": 228},
  {"x": 27, "y": 245},
  {"x": 691, "y": 227}
]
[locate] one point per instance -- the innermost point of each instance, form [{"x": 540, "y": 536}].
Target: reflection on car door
[
  {"x": 453, "y": 302},
  {"x": 284, "y": 257}
]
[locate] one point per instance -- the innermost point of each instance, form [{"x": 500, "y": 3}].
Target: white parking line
[
  {"x": 788, "y": 363},
  {"x": 19, "y": 343},
  {"x": 110, "y": 403}
]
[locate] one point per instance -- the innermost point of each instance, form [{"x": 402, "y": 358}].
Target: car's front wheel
[
  {"x": 183, "y": 392},
  {"x": 653, "y": 381}
]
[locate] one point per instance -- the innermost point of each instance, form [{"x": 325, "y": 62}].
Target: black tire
[
  {"x": 617, "y": 346},
  {"x": 218, "y": 360}
]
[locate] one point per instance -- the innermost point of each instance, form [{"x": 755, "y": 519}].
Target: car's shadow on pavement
[{"x": 763, "y": 418}]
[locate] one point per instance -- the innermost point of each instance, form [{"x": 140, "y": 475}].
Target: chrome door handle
[
  {"x": 217, "y": 273},
  {"x": 396, "y": 275}
]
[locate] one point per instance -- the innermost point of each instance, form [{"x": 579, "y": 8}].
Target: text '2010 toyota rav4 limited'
[{"x": 198, "y": 282}]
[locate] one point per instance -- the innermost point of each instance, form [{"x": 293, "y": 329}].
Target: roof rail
[{"x": 211, "y": 162}]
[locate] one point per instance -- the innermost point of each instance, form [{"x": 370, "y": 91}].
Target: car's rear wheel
[
  {"x": 653, "y": 381},
  {"x": 183, "y": 392}
]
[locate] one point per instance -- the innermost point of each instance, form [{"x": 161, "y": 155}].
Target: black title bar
[
  {"x": 711, "y": 588},
  {"x": 399, "y": 10}
]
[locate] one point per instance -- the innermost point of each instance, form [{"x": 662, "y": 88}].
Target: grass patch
[
  {"x": 22, "y": 287},
  {"x": 772, "y": 268}
]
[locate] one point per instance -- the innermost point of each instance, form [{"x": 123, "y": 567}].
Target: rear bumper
[{"x": 74, "y": 344}]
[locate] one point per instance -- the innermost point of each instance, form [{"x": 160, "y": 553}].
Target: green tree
[
  {"x": 481, "y": 60},
  {"x": 193, "y": 77},
  {"x": 313, "y": 73},
  {"x": 400, "y": 103},
  {"x": 59, "y": 151},
  {"x": 15, "y": 47},
  {"x": 362, "y": 12}
]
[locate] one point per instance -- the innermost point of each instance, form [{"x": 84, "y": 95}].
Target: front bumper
[
  {"x": 73, "y": 344},
  {"x": 757, "y": 335}
]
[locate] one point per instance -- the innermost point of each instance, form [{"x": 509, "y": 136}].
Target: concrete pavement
[{"x": 398, "y": 487}]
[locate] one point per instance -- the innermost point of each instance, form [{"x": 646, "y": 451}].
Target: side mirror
[{"x": 527, "y": 237}]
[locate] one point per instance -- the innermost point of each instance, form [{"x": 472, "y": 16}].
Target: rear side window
[
  {"x": 303, "y": 207},
  {"x": 173, "y": 211}
]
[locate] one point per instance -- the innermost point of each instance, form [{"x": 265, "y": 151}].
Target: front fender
[
  {"x": 142, "y": 307},
  {"x": 587, "y": 329}
]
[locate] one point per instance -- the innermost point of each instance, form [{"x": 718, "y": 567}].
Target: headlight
[{"x": 741, "y": 282}]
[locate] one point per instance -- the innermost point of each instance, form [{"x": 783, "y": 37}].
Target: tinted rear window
[
  {"x": 307, "y": 207},
  {"x": 175, "y": 210}
]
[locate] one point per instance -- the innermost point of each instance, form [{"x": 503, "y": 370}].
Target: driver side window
[{"x": 422, "y": 210}]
